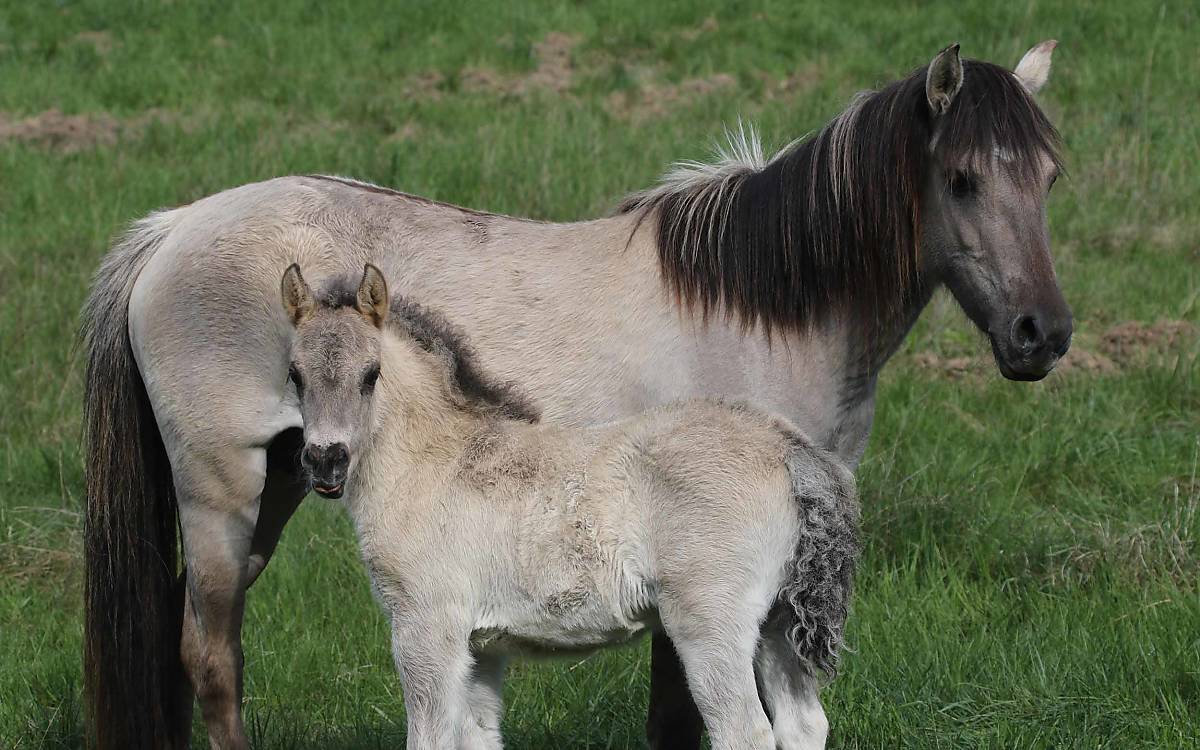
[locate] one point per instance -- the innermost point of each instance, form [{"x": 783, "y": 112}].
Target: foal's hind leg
[
  {"x": 790, "y": 691},
  {"x": 716, "y": 643},
  {"x": 486, "y": 703}
]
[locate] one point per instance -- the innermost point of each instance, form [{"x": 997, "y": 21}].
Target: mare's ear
[
  {"x": 297, "y": 297},
  {"x": 943, "y": 80},
  {"x": 1034, "y": 69},
  {"x": 373, "y": 295}
]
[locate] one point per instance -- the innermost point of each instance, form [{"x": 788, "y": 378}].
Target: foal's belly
[{"x": 538, "y": 631}]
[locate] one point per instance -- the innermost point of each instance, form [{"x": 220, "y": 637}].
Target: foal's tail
[
  {"x": 819, "y": 582},
  {"x": 132, "y": 615}
]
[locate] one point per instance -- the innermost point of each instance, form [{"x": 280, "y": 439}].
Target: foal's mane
[
  {"x": 438, "y": 336},
  {"x": 435, "y": 334},
  {"x": 831, "y": 223}
]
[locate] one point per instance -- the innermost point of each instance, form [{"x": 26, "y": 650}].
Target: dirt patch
[
  {"x": 481, "y": 80},
  {"x": 554, "y": 70},
  {"x": 426, "y": 85},
  {"x": 65, "y": 133},
  {"x": 797, "y": 84},
  {"x": 1080, "y": 360},
  {"x": 69, "y": 134},
  {"x": 1134, "y": 342},
  {"x": 707, "y": 26},
  {"x": 100, "y": 41},
  {"x": 652, "y": 100},
  {"x": 1125, "y": 345},
  {"x": 409, "y": 131}
]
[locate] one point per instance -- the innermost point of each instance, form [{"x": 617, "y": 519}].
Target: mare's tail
[
  {"x": 816, "y": 593},
  {"x": 132, "y": 613}
]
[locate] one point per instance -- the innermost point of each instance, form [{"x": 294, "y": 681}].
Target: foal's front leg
[{"x": 434, "y": 662}]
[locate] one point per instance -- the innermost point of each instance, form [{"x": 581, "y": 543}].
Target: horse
[
  {"x": 788, "y": 282},
  {"x": 488, "y": 534}
]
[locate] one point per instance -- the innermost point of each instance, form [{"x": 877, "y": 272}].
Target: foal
[{"x": 487, "y": 534}]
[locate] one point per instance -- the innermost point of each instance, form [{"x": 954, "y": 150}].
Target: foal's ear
[
  {"x": 943, "y": 80},
  {"x": 297, "y": 297},
  {"x": 1034, "y": 69},
  {"x": 372, "y": 295}
]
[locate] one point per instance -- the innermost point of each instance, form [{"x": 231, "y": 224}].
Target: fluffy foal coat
[{"x": 487, "y": 534}]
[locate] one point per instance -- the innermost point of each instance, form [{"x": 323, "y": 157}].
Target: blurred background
[{"x": 1031, "y": 572}]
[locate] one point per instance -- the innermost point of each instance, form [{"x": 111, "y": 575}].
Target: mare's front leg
[
  {"x": 673, "y": 721},
  {"x": 285, "y": 488},
  {"x": 432, "y": 654}
]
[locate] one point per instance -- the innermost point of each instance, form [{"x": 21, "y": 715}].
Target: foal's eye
[
  {"x": 369, "y": 379},
  {"x": 962, "y": 184},
  {"x": 294, "y": 376}
]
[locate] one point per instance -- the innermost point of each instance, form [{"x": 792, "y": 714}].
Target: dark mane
[
  {"x": 832, "y": 223},
  {"x": 433, "y": 333},
  {"x": 338, "y": 291}
]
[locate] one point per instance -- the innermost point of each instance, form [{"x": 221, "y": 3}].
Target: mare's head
[
  {"x": 334, "y": 366},
  {"x": 939, "y": 178},
  {"x": 982, "y": 219}
]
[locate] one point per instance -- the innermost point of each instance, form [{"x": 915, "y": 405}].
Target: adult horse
[{"x": 787, "y": 282}]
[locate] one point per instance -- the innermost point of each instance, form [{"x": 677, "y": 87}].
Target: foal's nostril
[
  {"x": 1027, "y": 334},
  {"x": 339, "y": 456},
  {"x": 311, "y": 456}
]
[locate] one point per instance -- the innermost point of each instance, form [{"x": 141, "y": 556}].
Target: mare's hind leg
[
  {"x": 218, "y": 509},
  {"x": 790, "y": 691}
]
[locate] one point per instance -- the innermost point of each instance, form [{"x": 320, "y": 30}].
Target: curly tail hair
[{"x": 817, "y": 590}]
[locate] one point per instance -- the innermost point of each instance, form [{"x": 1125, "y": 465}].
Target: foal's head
[{"x": 334, "y": 366}]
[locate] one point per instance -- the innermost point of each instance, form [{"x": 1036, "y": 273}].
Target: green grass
[{"x": 1032, "y": 565}]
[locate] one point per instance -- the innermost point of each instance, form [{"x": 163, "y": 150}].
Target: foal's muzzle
[{"x": 327, "y": 465}]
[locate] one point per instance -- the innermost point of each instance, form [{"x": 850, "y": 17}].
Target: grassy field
[{"x": 1032, "y": 574}]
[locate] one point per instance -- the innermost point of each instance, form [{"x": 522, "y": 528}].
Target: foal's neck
[{"x": 419, "y": 419}]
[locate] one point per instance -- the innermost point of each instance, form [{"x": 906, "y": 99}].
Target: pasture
[{"x": 1031, "y": 576}]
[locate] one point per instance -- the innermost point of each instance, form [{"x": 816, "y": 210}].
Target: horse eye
[
  {"x": 1053, "y": 180},
  {"x": 962, "y": 184},
  {"x": 369, "y": 379},
  {"x": 294, "y": 376}
]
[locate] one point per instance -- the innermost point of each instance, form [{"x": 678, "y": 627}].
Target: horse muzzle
[
  {"x": 1031, "y": 344},
  {"x": 327, "y": 467}
]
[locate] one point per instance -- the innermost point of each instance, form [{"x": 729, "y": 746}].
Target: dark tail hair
[
  {"x": 132, "y": 615},
  {"x": 819, "y": 583}
]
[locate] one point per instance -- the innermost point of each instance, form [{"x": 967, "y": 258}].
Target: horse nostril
[
  {"x": 311, "y": 456},
  {"x": 339, "y": 456},
  {"x": 1027, "y": 334}
]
